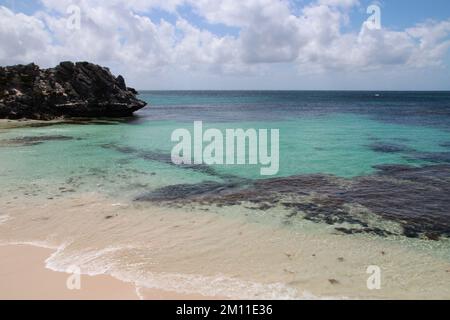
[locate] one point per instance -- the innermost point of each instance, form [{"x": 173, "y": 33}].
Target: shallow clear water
[
  {"x": 316, "y": 136},
  {"x": 344, "y": 134}
]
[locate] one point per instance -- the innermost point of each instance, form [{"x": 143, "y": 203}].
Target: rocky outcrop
[{"x": 69, "y": 90}]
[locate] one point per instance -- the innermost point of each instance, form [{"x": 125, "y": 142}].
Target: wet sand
[{"x": 23, "y": 276}]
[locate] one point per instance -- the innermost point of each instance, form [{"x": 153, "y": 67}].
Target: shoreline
[
  {"x": 24, "y": 276},
  {"x": 306, "y": 263}
]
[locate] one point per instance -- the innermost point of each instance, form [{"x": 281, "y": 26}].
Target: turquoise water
[{"x": 321, "y": 138}]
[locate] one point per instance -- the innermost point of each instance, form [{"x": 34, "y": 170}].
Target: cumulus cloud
[
  {"x": 22, "y": 37},
  {"x": 121, "y": 34}
]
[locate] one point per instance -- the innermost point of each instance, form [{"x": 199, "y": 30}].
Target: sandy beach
[
  {"x": 176, "y": 255},
  {"x": 23, "y": 276}
]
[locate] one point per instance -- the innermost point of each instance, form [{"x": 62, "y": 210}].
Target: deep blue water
[{"x": 415, "y": 108}]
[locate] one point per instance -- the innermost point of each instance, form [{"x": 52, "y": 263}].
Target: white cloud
[
  {"x": 433, "y": 41},
  {"x": 120, "y": 34},
  {"x": 21, "y": 37}
]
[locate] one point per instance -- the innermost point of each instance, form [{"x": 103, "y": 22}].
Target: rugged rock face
[{"x": 69, "y": 90}]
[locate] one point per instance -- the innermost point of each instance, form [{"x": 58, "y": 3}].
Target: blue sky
[
  {"x": 399, "y": 14},
  {"x": 239, "y": 44},
  {"x": 396, "y": 14}
]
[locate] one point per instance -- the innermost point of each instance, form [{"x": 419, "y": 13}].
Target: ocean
[{"x": 363, "y": 180}]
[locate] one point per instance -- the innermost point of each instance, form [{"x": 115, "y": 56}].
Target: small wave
[
  {"x": 4, "y": 218},
  {"x": 101, "y": 262},
  {"x": 96, "y": 262},
  {"x": 219, "y": 285},
  {"x": 38, "y": 244},
  {"x": 92, "y": 262}
]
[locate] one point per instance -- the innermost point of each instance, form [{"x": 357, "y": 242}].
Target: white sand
[{"x": 23, "y": 276}]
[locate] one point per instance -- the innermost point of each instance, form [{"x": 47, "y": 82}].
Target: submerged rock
[
  {"x": 381, "y": 147},
  {"x": 413, "y": 198},
  {"x": 445, "y": 144},
  {"x": 32, "y": 141},
  {"x": 69, "y": 90}
]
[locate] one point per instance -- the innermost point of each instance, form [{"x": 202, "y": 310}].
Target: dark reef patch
[
  {"x": 435, "y": 157},
  {"x": 34, "y": 140},
  {"x": 11, "y": 124},
  {"x": 415, "y": 198},
  {"x": 187, "y": 191},
  {"x": 164, "y": 157},
  {"x": 381, "y": 147},
  {"x": 410, "y": 153}
]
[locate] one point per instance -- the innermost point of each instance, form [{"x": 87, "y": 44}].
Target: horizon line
[{"x": 288, "y": 90}]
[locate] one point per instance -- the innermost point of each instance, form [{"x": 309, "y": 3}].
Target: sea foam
[
  {"x": 98, "y": 262},
  {"x": 4, "y": 218}
]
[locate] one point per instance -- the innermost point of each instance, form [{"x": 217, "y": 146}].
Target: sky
[{"x": 238, "y": 44}]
